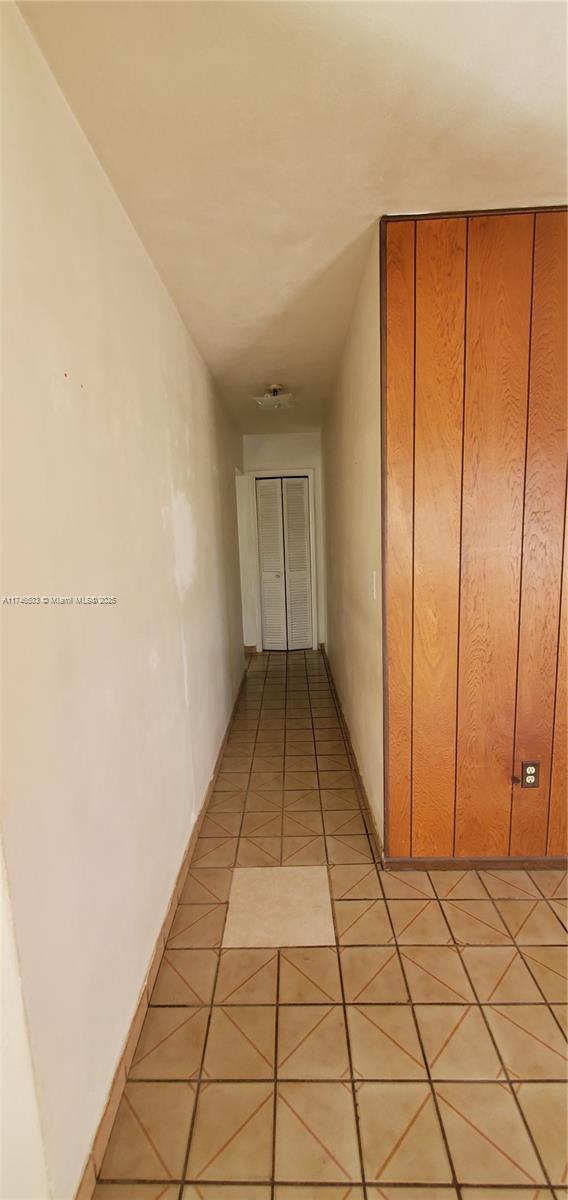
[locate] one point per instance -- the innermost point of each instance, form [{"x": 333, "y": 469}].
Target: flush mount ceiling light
[{"x": 274, "y": 397}]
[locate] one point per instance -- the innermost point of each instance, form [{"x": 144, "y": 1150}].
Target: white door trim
[{"x": 275, "y": 474}]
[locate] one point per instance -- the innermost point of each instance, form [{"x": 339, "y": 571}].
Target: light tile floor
[{"x": 418, "y": 1050}]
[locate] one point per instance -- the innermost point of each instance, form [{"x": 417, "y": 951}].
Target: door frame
[{"x": 280, "y": 473}]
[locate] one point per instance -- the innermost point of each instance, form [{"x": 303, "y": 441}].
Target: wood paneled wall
[{"x": 474, "y": 423}]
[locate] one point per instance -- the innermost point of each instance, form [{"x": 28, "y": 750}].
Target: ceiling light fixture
[{"x": 274, "y": 398}]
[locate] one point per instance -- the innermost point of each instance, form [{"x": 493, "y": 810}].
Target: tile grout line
[
  {"x": 502, "y": 1061},
  {"x": 255, "y": 743},
  {"x": 352, "y": 761},
  {"x": 518, "y": 948},
  {"x": 322, "y": 818},
  {"x": 341, "y": 981},
  {"x": 352, "y": 1078},
  {"x": 206, "y": 1038},
  {"x": 497, "y": 1189},
  {"x": 348, "y": 1042},
  {"x": 429, "y": 1080},
  {"x": 344, "y": 1007},
  {"x": 276, "y": 1015},
  {"x": 202, "y": 1061},
  {"x": 532, "y": 870},
  {"x": 524, "y": 899},
  {"x": 547, "y": 900},
  {"x": 549, "y": 1003},
  {"x": 275, "y": 1096},
  {"x": 273, "y": 683}
]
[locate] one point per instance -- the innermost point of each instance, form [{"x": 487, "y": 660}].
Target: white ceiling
[{"x": 255, "y": 145}]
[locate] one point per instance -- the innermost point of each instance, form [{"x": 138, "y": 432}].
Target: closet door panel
[
  {"x": 497, "y": 357},
  {"x": 399, "y": 452},
  {"x": 271, "y": 561},
  {"x": 543, "y": 532},
  {"x": 298, "y": 562},
  {"x": 440, "y": 314}
]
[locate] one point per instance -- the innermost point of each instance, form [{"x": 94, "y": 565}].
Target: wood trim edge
[
  {"x": 383, "y": 503},
  {"x": 472, "y": 864},
  {"x": 102, "y": 1134},
  {"x": 472, "y": 212}
]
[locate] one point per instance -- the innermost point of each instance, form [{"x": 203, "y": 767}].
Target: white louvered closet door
[
  {"x": 271, "y": 556},
  {"x": 297, "y": 558}
]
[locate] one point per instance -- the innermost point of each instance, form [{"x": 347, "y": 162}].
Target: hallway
[
  {"x": 284, "y": 602},
  {"x": 417, "y": 998}
]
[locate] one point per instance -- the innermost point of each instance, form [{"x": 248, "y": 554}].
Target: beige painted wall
[
  {"x": 22, "y": 1165},
  {"x": 282, "y": 452},
  {"x": 352, "y": 488},
  {"x": 118, "y": 478}
]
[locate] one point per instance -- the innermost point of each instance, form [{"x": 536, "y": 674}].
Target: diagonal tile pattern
[
  {"x": 309, "y": 976},
  {"x": 316, "y": 1137},
  {"x": 456, "y": 1042},
  {"x": 312, "y": 1042},
  {"x": 486, "y": 1134},
  {"x": 435, "y": 975},
  {"x": 207, "y": 886},
  {"x": 240, "y": 1044},
  {"x": 401, "y": 1134},
  {"x": 150, "y": 1132},
  {"x": 185, "y": 977},
  {"x": 372, "y": 975},
  {"x": 171, "y": 1044},
  {"x": 246, "y": 977},
  {"x": 384, "y": 1042},
  {"x": 499, "y": 974},
  {"x": 529, "y": 1041},
  {"x": 232, "y": 1136},
  {"x": 320, "y": 1029},
  {"x": 545, "y": 1108}
]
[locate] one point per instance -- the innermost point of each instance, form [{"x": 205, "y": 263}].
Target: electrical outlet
[{"x": 530, "y": 774}]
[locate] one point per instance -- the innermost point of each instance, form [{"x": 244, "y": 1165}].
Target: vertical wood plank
[
  {"x": 497, "y": 352},
  {"x": 440, "y": 306},
  {"x": 543, "y": 532},
  {"x": 398, "y": 581},
  {"x": 557, "y": 840}
]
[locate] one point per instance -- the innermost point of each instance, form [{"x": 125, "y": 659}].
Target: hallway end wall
[
  {"x": 281, "y": 452},
  {"x": 352, "y": 487},
  {"x": 119, "y": 481}
]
